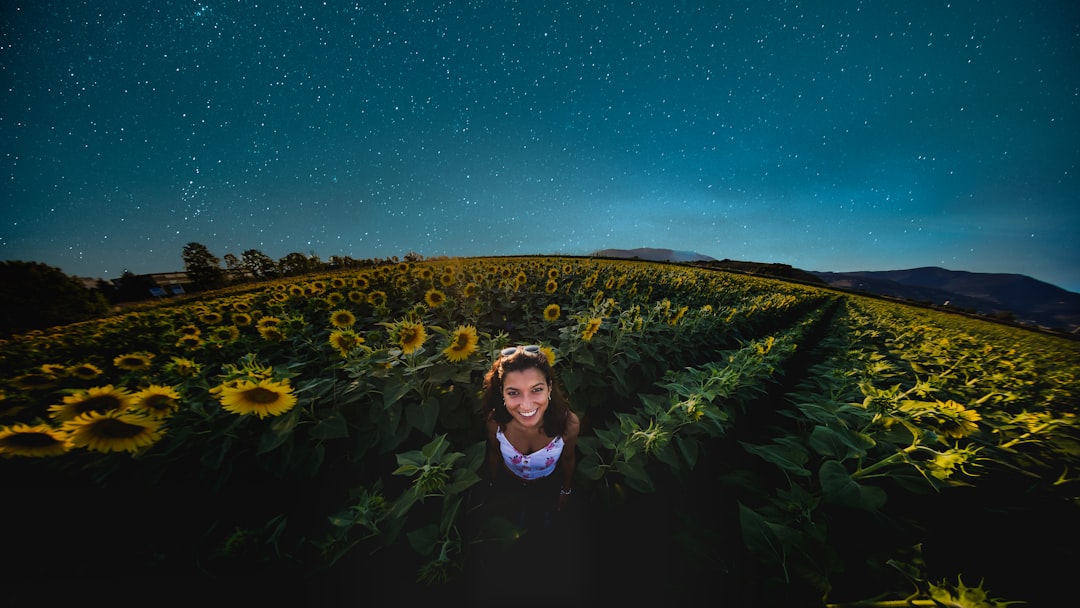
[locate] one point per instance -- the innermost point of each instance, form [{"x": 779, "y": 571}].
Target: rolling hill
[{"x": 1011, "y": 297}]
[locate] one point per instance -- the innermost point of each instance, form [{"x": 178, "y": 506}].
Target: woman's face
[{"x": 526, "y": 394}]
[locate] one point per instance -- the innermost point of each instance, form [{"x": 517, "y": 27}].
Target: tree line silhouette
[{"x": 34, "y": 295}]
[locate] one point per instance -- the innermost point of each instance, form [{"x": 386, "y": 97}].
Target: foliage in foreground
[{"x": 811, "y": 413}]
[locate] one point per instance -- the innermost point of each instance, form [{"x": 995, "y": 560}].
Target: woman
[{"x": 531, "y": 434}]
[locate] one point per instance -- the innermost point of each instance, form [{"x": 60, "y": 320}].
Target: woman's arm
[
  {"x": 568, "y": 461},
  {"x": 494, "y": 454}
]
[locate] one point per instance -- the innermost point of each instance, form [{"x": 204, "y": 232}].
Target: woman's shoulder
[{"x": 573, "y": 424}]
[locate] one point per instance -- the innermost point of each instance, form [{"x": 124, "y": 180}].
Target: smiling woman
[
  {"x": 531, "y": 461},
  {"x": 531, "y": 434}
]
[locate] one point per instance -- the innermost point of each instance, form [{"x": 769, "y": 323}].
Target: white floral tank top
[{"x": 540, "y": 463}]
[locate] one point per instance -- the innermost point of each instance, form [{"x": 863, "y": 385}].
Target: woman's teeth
[{"x": 528, "y": 414}]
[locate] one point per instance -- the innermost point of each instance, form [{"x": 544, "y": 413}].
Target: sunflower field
[{"x": 769, "y": 443}]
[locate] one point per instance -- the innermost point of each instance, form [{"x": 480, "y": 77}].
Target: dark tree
[
  {"x": 233, "y": 268},
  {"x": 258, "y": 264},
  {"x": 295, "y": 264},
  {"x": 36, "y": 296},
  {"x": 132, "y": 288},
  {"x": 108, "y": 289},
  {"x": 203, "y": 268}
]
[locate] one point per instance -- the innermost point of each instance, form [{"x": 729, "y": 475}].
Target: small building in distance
[
  {"x": 171, "y": 283},
  {"x": 131, "y": 287}
]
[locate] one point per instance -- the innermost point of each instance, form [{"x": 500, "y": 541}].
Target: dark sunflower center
[
  {"x": 32, "y": 380},
  {"x": 158, "y": 403},
  {"x": 100, "y": 404},
  {"x": 261, "y": 396},
  {"x": 31, "y": 440},
  {"x": 117, "y": 429}
]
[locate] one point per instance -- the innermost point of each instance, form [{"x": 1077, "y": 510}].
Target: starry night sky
[{"x": 828, "y": 135}]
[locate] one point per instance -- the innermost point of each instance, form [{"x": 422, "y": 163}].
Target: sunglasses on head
[{"x": 531, "y": 349}]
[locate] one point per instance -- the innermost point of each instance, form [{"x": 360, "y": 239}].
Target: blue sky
[{"x": 829, "y": 136}]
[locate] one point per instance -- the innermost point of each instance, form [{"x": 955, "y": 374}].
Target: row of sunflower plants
[
  {"x": 601, "y": 332},
  {"x": 694, "y": 405},
  {"x": 369, "y": 376},
  {"x": 906, "y": 407}
]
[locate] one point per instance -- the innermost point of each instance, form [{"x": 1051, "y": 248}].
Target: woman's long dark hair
[{"x": 558, "y": 411}]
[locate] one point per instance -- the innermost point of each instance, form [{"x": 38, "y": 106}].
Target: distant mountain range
[
  {"x": 1013, "y": 297},
  {"x": 1028, "y": 301}
]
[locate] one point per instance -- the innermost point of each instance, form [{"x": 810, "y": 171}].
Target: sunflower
[
  {"x": 377, "y": 298},
  {"x": 35, "y": 441},
  {"x": 551, "y": 286},
  {"x": 54, "y": 369},
  {"x": 265, "y": 398},
  {"x": 113, "y": 431},
  {"x": 334, "y": 299},
  {"x": 185, "y": 368},
  {"x": 470, "y": 290},
  {"x": 95, "y": 399},
  {"x": 549, "y": 353},
  {"x": 267, "y": 321},
  {"x": 134, "y": 362},
  {"x": 157, "y": 401},
  {"x": 410, "y": 335},
  {"x": 598, "y": 297},
  {"x": 591, "y": 327},
  {"x": 241, "y": 319},
  {"x": 342, "y": 319},
  {"x": 189, "y": 330},
  {"x": 84, "y": 371},
  {"x": 189, "y": 342},
  {"x": 957, "y": 421},
  {"x": 34, "y": 381},
  {"x": 337, "y": 282},
  {"x": 225, "y": 333},
  {"x": 272, "y": 333},
  {"x": 362, "y": 283},
  {"x": 435, "y": 298},
  {"x": 345, "y": 341},
  {"x": 675, "y": 318},
  {"x": 357, "y": 297},
  {"x": 552, "y": 312},
  {"x": 462, "y": 344},
  {"x": 211, "y": 318},
  {"x": 446, "y": 279}
]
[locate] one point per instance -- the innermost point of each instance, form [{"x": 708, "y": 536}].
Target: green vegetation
[
  {"x": 36, "y": 296},
  {"x": 805, "y": 447}
]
